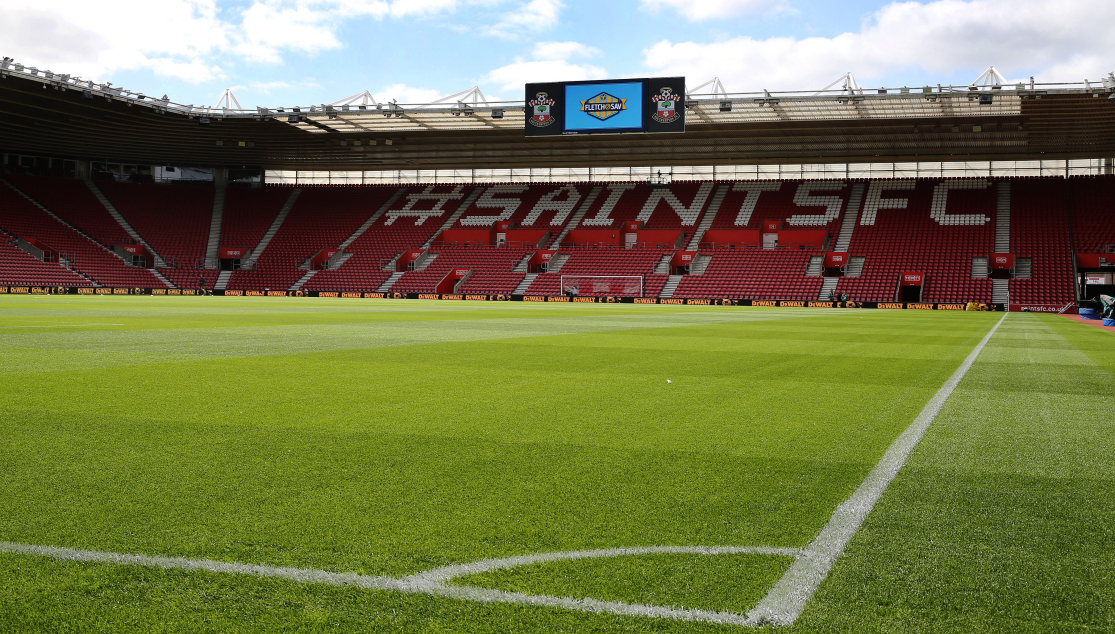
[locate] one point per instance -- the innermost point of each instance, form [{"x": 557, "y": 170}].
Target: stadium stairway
[
  {"x": 452, "y": 219},
  {"x": 95, "y": 261},
  {"x": 302, "y": 280},
  {"x": 576, "y": 219},
  {"x": 1002, "y": 218},
  {"x": 670, "y": 286},
  {"x": 556, "y": 262},
  {"x": 389, "y": 282},
  {"x": 212, "y": 246},
  {"x": 1000, "y": 288},
  {"x": 827, "y": 286},
  {"x": 222, "y": 280},
  {"x": 707, "y": 218},
  {"x": 851, "y": 215},
  {"x": 159, "y": 262},
  {"x": 274, "y": 228},
  {"x": 524, "y": 284}
]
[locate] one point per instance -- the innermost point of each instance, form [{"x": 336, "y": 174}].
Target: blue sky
[{"x": 282, "y": 53}]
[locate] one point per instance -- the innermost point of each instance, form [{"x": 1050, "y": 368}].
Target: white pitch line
[
  {"x": 782, "y": 605},
  {"x": 785, "y": 601},
  {"x": 434, "y": 582}
]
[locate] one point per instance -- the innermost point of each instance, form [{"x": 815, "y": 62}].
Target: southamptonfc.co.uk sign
[{"x": 603, "y": 106}]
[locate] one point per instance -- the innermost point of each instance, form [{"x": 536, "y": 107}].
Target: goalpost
[{"x": 603, "y": 285}]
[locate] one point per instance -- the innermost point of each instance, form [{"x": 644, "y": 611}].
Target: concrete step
[
  {"x": 302, "y": 280},
  {"x": 671, "y": 286},
  {"x": 222, "y": 280},
  {"x": 389, "y": 282},
  {"x": 851, "y": 215},
  {"x": 274, "y": 228},
  {"x": 577, "y": 216},
  {"x": 827, "y": 286},
  {"x": 461, "y": 208},
  {"x": 815, "y": 266},
  {"x": 162, "y": 279},
  {"x": 710, "y": 215},
  {"x": 663, "y": 265},
  {"x": 1002, "y": 218},
  {"x": 212, "y": 247},
  {"x": 1000, "y": 291},
  {"x": 556, "y": 262},
  {"x": 528, "y": 279},
  {"x": 123, "y": 222},
  {"x": 700, "y": 263}
]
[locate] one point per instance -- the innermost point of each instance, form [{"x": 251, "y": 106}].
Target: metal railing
[{"x": 91, "y": 89}]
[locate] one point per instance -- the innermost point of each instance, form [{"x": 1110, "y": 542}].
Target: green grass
[{"x": 388, "y": 438}]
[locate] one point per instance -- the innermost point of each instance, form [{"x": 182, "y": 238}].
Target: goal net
[{"x": 602, "y": 285}]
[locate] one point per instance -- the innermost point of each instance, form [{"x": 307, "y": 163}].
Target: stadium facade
[{"x": 933, "y": 196}]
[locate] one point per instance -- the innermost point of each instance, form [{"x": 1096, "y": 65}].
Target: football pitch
[{"x": 211, "y": 464}]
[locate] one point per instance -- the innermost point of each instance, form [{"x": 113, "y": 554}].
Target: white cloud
[
  {"x": 401, "y": 8},
  {"x": 174, "y": 38},
  {"x": 513, "y": 76},
  {"x": 536, "y": 15},
  {"x": 184, "y": 39},
  {"x": 696, "y": 10},
  {"x": 407, "y": 94},
  {"x": 1059, "y": 40},
  {"x": 563, "y": 50}
]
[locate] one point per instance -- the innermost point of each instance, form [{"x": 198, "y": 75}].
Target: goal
[{"x": 603, "y": 285}]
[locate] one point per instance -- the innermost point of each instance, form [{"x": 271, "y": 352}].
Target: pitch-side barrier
[{"x": 706, "y": 301}]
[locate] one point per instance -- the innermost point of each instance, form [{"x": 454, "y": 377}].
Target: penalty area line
[{"x": 786, "y": 600}]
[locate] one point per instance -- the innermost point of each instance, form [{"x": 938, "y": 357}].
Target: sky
[{"x": 278, "y": 53}]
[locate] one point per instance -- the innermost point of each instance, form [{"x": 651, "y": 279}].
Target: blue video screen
[{"x": 602, "y": 107}]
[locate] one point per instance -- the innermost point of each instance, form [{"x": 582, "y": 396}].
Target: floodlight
[
  {"x": 725, "y": 106},
  {"x": 469, "y": 112}
]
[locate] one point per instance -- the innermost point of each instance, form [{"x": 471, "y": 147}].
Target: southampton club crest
[
  {"x": 665, "y": 103},
  {"x": 603, "y": 106},
  {"x": 542, "y": 107}
]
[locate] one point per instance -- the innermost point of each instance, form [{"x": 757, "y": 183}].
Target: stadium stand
[
  {"x": 605, "y": 261},
  {"x": 175, "y": 224},
  {"x": 1093, "y": 218},
  {"x": 525, "y": 206},
  {"x": 71, "y": 200},
  {"x": 754, "y": 274},
  {"x": 249, "y": 213},
  {"x": 1040, "y": 231},
  {"x": 19, "y": 268},
  {"x": 900, "y": 229},
  {"x": 322, "y": 218},
  {"x": 20, "y": 217},
  {"x": 410, "y": 221},
  {"x": 490, "y": 270},
  {"x": 757, "y": 273}
]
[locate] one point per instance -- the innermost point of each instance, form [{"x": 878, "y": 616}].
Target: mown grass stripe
[{"x": 785, "y": 601}]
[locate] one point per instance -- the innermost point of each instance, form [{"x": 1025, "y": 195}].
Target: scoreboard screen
[{"x": 613, "y": 106}]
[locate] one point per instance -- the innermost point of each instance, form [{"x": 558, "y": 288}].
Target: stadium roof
[{"x": 56, "y": 115}]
